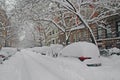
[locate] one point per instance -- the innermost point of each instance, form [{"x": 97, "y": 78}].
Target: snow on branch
[{"x": 50, "y": 20}]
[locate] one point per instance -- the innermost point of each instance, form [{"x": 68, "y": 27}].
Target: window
[
  {"x": 53, "y": 41},
  {"x": 83, "y": 35},
  {"x": 53, "y": 31},
  {"x": 118, "y": 29},
  {"x": 100, "y": 33},
  {"x": 74, "y": 38},
  {"x": 56, "y": 31},
  {"x": 79, "y": 35},
  {"x": 50, "y": 33},
  {"x": 108, "y": 31}
]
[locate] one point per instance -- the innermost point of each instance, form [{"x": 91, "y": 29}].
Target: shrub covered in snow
[
  {"x": 109, "y": 52},
  {"x": 55, "y": 49},
  {"x": 104, "y": 52},
  {"x": 114, "y": 50}
]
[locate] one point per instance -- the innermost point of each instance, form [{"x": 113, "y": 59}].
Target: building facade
[
  {"x": 51, "y": 33},
  {"x": 106, "y": 38},
  {"x": 111, "y": 36}
]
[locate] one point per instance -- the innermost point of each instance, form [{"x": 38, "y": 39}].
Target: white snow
[
  {"x": 43, "y": 49},
  {"x": 7, "y": 51},
  {"x": 53, "y": 49},
  {"x": 29, "y": 65},
  {"x": 114, "y": 50},
  {"x": 78, "y": 27}
]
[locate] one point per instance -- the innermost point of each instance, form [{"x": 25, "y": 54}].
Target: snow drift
[{"x": 7, "y": 51}]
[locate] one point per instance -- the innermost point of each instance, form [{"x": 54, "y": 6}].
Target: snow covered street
[
  {"x": 59, "y": 39},
  {"x": 28, "y": 65}
]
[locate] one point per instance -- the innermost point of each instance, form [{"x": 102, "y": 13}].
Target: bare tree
[{"x": 48, "y": 10}]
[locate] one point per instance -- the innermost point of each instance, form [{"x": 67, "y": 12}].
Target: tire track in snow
[
  {"x": 63, "y": 74},
  {"x": 25, "y": 74},
  {"x": 48, "y": 75}
]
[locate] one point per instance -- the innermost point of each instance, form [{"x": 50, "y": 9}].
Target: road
[{"x": 26, "y": 65}]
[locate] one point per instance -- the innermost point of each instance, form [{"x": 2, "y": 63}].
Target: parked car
[{"x": 86, "y": 52}]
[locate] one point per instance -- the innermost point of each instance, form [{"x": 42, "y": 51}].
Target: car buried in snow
[{"x": 86, "y": 52}]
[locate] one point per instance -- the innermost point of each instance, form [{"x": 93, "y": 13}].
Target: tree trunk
[
  {"x": 66, "y": 43},
  {"x": 6, "y": 44},
  {"x": 90, "y": 30},
  {"x": 0, "y": 46}
]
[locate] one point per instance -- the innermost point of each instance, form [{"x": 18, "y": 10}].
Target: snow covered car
[{"x": 84, "y": 51}]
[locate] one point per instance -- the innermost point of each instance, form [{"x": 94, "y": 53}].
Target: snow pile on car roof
[{"x": 80, "y": 49}]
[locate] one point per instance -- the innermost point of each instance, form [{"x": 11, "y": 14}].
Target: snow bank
[
  {"x": 7, "y": 51},
  {"x": 44, "y": 49},
  {"x": 35, "y": 49},
  {"x": 80, "y": 49},
  {"x": 52, "y": 50}
]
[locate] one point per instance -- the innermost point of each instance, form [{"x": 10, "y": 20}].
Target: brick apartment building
[
  {"x": 106, "y": 38},
  {"x": 110, "y": 37},
  {"x": 51, "y": 33}
]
